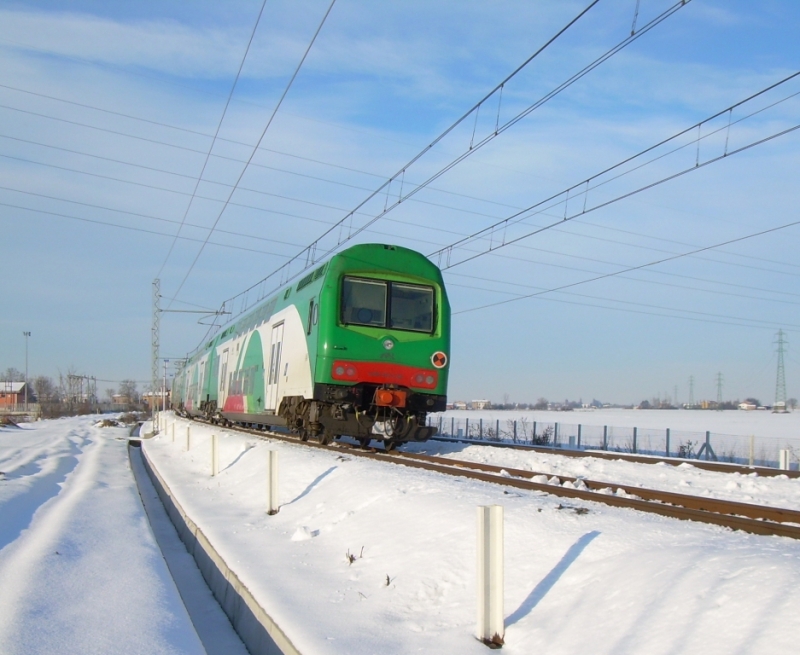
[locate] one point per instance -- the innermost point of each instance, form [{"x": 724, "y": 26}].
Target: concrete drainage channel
[{"x": 259, "y": 633}]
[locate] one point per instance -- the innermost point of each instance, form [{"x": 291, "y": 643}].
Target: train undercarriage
[{"x": 394, "y": 415}]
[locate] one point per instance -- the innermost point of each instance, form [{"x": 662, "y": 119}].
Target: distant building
[
  {"x": 481, "y": 404},
  {"x": 13, "y": 393},
  {"x": 459, "y": 404},
  {"x": 161, "y": 398},
  {"x": 748, "y": 406}
]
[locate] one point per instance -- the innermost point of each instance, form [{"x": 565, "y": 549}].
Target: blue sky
[{"x": 106, "y": 112}]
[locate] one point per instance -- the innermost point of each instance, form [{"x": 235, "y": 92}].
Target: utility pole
[
  {"x": 780, "y": 383},
  {"x": 26, "y": 335},
  {"x": 154, "y": 340},
  {"x": 719, "y": 391}
]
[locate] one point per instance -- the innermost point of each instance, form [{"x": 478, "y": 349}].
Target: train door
[
  {"x": 275, "y": 348},
  {"x": 223, "y": 374}
]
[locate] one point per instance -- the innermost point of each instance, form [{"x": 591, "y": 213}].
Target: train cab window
[
  {"x": 396, "y": 305},
  {"x": 364, "y": 302},
  {"x": 412, "y": 307}
]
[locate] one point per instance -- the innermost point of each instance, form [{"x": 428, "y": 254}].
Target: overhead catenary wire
[
  {"x": 214, "y": 139},
  {"x": 311, "y": 254},
  {"x": 555, "y": 199},
  {"x": 633, "y": 268},
  {"x": 255, "y": 149}
]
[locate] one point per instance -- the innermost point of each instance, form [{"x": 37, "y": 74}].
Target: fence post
[
  {"x": 783, "y": 463},
  {"x": 466, "y": 428},
  {"x": 667, "y": 447},
  {"x": 533, "y": 439},
  {"x": 515, "y": 431},
  {"x": 555, "y": 434},
  {"x": 579, "y": 436},
  {"x": 491, "y": 627},
  {"x": 497, "y": 429},
  {"x": 273, "y": 504},
  {"x": 752, "y": 449},
  {"x": 452, "y": 426},
  {"x": 480, "y": 432},
  {"x": 214, "y": 456},
  {"x": 635, "y": 430},
  {"x": 605, "y": 437}
]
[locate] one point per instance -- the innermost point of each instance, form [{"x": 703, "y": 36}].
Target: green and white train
[{"x": 359, "y": 347}]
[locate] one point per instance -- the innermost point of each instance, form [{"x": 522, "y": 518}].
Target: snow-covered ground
[
  {"x": 606, "y": 581},
  {"x": 80, "y": 570}
]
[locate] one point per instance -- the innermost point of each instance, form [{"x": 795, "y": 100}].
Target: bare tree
[
  {"x": 110, "y": 393},
  {"x": 12, "y": 375},
  {"x": 127, "y": 388},
  {"x": 46, "y": 390}
]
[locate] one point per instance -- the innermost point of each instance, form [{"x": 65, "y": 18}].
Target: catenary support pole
[
  {"x": 490, "y": 626},
  {"x": 273, "y": 502}
]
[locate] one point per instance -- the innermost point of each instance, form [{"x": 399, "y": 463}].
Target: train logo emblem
[{"x": 439, "y": 359}]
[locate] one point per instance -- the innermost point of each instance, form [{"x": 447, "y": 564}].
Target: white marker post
[
  {"x": 214, "y": 456},
  {"x": 273, "y": 503},
  {"x": 491, "y": 627},
  {"x": 188, "y": 437},
  {"x": 783, "y": 464}
]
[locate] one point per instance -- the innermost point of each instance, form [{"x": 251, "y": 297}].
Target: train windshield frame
[{"x": 388, "y": 304}]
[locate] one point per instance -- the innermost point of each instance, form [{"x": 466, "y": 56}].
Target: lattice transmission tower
[
  {"x": 780, "y": 383},
  {"x": 691, "y": 391},
  {"x": 719, "y": 391}
]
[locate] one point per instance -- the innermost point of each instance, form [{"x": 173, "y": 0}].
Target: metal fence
[{"x": 753, "y": 450}]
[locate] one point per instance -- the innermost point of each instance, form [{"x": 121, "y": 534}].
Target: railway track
[
  {"x": 755, "y": 519},
  {"x": 720, "y": 467}
]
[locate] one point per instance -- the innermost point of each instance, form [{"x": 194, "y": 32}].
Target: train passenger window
[
  {"x": 364, "y": 302},
  {"x": 411, "y": 307}
]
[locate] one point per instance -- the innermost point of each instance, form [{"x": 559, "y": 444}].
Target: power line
[
  {"x": 310, "y": 253},
  {"x": 255, "y": 149},
  {"x": 582, "y": 188},
  {"x": 702, "y": 317},
  {"x": 214, "y": 139},
  {"x": 635, "y": 268}
]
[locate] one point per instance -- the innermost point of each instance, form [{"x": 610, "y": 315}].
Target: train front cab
[{"x": 384, "y": 352}]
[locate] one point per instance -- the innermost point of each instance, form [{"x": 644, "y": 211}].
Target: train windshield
[{"x": 379, "y": 303}]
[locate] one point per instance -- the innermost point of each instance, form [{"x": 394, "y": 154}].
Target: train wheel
[
  {"x": 304, "y": 434},
  {"x": 364, "y": 442},
  {"x": 389, "y": 445},
  {"x": 325, "y": 437}
]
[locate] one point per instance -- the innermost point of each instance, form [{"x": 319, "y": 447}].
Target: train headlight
[{"x": 388, "y": 344}]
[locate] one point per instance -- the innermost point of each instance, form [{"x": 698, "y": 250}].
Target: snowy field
[
  {"x": 80, "y": 570},
  {"x": 744, "y": 437},
  {"x": 606, "y": 581}
]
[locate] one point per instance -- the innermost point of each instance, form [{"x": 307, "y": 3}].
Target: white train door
[
  {"x": 223, "y": 383},
  {"x": 275, "y": 348}
]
